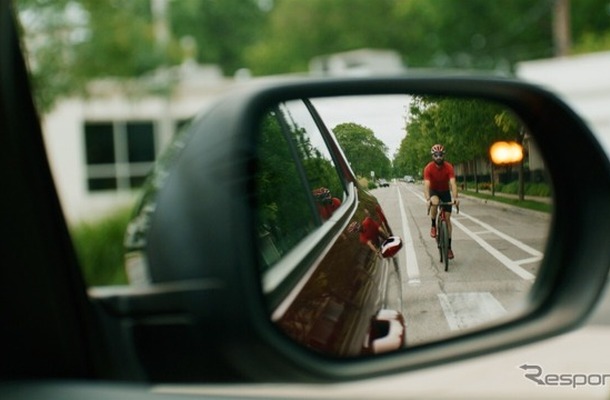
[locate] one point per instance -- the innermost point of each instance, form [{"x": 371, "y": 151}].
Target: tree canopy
[
  {"x": 73, "y": 41},
  {"x": 466, "y": 127},
  {"x": 365, "y": 151}
]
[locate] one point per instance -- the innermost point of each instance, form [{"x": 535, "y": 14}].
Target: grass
[
  {"x": 527, "y": 204},
  {"x": 99, "y": 246}
]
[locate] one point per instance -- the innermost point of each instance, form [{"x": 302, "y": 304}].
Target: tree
[
  {"x": 297, "y": 31},
  {"x": 222, "y": 29},
  {"x": 477, "y": 34},
  {"x": 71, "y": 42},
  {"x": 365, "y": 151},
  {"x": 442, "y": 33},
  {"x": 466, "y": 127}
]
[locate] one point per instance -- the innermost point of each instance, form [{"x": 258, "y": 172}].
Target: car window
[{"x": 297, "y": 182}]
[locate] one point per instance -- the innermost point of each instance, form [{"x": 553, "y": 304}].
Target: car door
[{"x": 325, "y": 282}]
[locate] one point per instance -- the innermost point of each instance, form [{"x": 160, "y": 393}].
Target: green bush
[
  {"x": 99, "y": 246},
  {"x": 511, "y": 188},
  {"x": 485, "y": 186},
  {"x": 537, "y": 189},
  {"x": 531, "y": 189}
]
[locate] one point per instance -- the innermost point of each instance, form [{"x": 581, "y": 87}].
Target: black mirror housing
[{"x": 206, "y": 290}]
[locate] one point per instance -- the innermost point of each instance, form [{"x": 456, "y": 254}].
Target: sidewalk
[
  {"x": 546, "y": 200},
  {"x": 513, "y": 207}
]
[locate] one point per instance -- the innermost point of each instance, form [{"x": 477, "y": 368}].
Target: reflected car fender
[{"x": 387, "y": 332}]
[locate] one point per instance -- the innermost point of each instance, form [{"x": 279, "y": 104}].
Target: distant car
[
  {"x": 383, "y": 183},
  {"x": 409, "y": 179}
]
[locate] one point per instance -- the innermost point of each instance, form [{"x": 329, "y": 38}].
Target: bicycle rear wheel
[{"x": 444, "y": 243}]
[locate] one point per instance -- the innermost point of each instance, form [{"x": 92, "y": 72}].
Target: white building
[
  {"x": 101, "y": 147},
  {"x": 583, "y": 82},
  {"x": 360, "y": 62}
]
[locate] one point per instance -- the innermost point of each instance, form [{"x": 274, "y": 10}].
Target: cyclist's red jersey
[
  {"x": 326, "y": 210},
  {"x": 439, "y": 175},
  {"x": 369, "y": 231}
]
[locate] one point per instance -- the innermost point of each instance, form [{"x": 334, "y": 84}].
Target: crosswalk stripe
[{"x": 470, "y": 309}]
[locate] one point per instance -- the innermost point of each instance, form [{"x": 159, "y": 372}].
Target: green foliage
[
  {"x": 590, "y": 25},
  {"x": 114, "y": 38},
  {"x": 486, "y": 186},
  {"x": 538, "y": 189},
  {"x": 89, "y": 39},
  {"x": 298, "y": 30},
  {"x": 527, "y": 204},
  {"x": 441, "y": 33},
  {"x": 99, "y": 246},
  {"x": 511, "y": 187},
  {"x": 473, "y": 34},
  {"x": 592, "y": 42},
  {"x": 290, "y": 169},
  {"x": 530, "y": 188},
  {"x": 120, "y": 41},
  {"x": 466, "y": 128},
  {"x": 222, "y": 29},
  {"x": 365, "y": 152},
  {"x": 278, "y": 184}
]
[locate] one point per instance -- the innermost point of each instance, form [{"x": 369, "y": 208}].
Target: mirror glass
[{"x": 357, "y": 258}]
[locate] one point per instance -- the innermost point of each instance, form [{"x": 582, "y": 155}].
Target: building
[
  {"x": 101, "y": 147},
  {"x": 360, "y": 62},
  {"x": 582, "y": 81}
]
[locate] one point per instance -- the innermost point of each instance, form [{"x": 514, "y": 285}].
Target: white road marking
[
  {"x": 470, "y": 309},
  {"x": 412, "y": 266},
  {"x": 508, "y": 263},
  {"x": 383, "y": 283},
  {"x": 514, "y": 266},
  {"x": 504, "y": 236},
  {"x": 528, "y": 260}
]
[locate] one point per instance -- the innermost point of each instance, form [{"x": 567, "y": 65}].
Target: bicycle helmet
[
  {"x": 390, "y": 246},
  {"x": 437, "y": 148},
  {"x": 322, "y": 195}
]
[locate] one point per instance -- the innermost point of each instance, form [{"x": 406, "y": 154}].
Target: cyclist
[
  {"x": 326, "y": 203},
  {"x": 440, "y": 186},
  {"x": 371, "y": 233}
]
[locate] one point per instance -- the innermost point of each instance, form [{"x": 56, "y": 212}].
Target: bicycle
[{"x": 442, "y": 230}]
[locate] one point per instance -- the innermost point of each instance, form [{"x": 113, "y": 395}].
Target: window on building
[{"x": 119, "y": 155}]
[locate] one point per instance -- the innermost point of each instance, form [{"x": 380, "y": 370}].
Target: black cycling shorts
[{"x": 445, "y": 197}]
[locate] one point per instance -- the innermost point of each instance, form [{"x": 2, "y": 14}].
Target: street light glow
[{"x": 506, "y": 153}]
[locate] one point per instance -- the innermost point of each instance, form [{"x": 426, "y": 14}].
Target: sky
[{"x": 383, "y": 114}]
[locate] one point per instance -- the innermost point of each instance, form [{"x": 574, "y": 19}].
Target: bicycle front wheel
[{"x": 444, "y": 243}]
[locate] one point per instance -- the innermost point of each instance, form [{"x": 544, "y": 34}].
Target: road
[
  {"x": 493, "y": 376},
  {"x": 498, "y": 251}
]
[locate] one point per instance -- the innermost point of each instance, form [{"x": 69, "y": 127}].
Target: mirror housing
[{"x": 206, "y": 292}]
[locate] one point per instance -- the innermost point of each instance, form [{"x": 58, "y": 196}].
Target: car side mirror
[{"x": 227, "y": 260}]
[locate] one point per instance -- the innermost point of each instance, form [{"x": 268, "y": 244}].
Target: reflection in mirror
[
  {"x": 354, "y": 259},
  {"x": 297, "y": 183}
]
